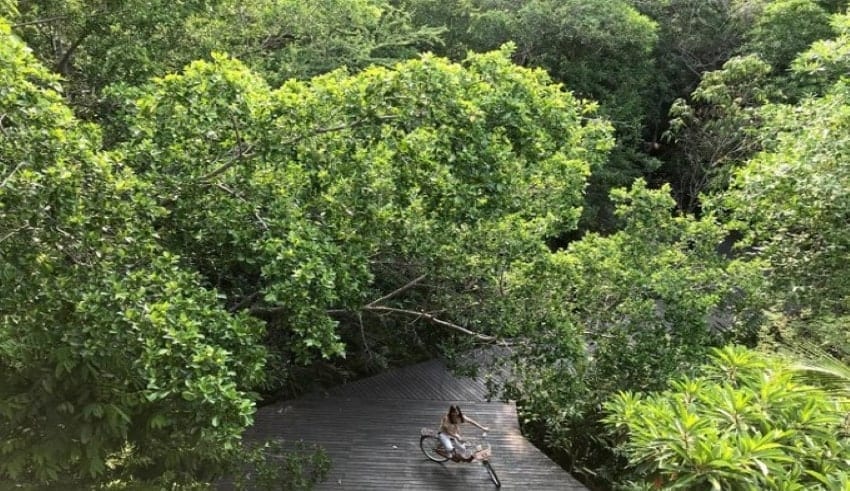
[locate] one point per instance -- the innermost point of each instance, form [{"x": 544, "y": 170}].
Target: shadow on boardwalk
[{"x": 370, "y": 430}]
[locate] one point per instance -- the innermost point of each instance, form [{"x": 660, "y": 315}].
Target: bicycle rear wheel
[
  {"x": 429, "y": 445},
  {"x": 492, "y": 474}
]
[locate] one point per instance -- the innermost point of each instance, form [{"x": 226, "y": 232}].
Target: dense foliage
[
  {"x": 229, "y": 199},
  {"x": 649, "y": 300},
  {"x": 204, "y": 203},
  {"x": 98, "y": 44},
  {"x": 744, "y": 422},
  {"x": 112, "y": 353},
  {"x": 307, "y": 203},
  {"x": 600, "y": 50},
  {"x": 792, "y": 199}
]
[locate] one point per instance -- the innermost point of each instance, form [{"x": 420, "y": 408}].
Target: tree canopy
[
  {"x": 234, "y": 212},
  {"x": 207, "y": 205},
  {"x": 108, "y": 344}
]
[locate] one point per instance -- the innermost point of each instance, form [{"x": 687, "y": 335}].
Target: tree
[
  {"x": 786, "y": 28},
  {"x": 91, "y": 43},
  {"x": 743, "y": 422},
  {"x": 790, "y": 202},
  {"x": 115, "y": 362},
  {"x": 316, "y": 210},
  {"x": 95, "y": 44},
  {"x": 694, "y": 37},
  {"x": 649, "y": 301},
  {"x": 9, "y": 9},
  {"x": 598, "y": 49},
  {"x": 300, "y": 39},
  {"x": 717, "y": 126},
  {"x": 324, "y": 207},
  {"x": 718, "y": 130},
  {"x": 825, "y": 62}
]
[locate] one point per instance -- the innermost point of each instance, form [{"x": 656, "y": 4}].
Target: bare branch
[
  {"x": 374, "y": 307},
  {"x": 236, "y": 195},
  {"x": 241, "y": 152},
  {"x": 397, "y": 292},
  {"x": 46, "y": 20},
  {"x": 390, "y": 310},
  {"x": 291, "y": 141},
  {"x": 6, "y": 179},
  {"x": 271, "y": 42},
  {"x": 363, "y": 337},
  {"x": 62, "y": 65},
  {"x": 431, "y": 318},
  {"x": 13, "y": 232},
  {"x": 239, "y": 140},
  {"x": 50, "y": 20},
  {"x": 245, "y": 301}
]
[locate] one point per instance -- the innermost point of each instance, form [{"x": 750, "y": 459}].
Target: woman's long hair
[{"x": 455, "y": 410}]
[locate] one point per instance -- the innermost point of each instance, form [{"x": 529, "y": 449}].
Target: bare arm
[{"x": 475, "y": 423}]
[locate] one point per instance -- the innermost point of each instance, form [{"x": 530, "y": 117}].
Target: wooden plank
[{"x": 370, "y": 430}]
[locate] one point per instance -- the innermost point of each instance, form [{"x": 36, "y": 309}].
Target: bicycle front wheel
[
  {"x": 492, "y": 474},
  {"x": 429, "y": 445}
]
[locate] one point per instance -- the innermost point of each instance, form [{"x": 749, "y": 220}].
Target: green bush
[{"x": 745, "y": 422}]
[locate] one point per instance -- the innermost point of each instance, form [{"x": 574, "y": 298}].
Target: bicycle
[{"x": 433, "y": 449}]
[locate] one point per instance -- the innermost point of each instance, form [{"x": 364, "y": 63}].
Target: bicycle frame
[{"x": 429, "y": 443}]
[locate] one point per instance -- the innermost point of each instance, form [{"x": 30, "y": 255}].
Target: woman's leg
[
  {"x": 447, "y": 442},
  {"x": 461, "y": 451}
]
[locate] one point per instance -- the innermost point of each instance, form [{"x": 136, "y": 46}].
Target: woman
[{"x": 450, "y": 430}]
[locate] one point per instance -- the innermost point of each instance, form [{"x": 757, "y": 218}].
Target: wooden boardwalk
[{"x": 370, "y": 429}]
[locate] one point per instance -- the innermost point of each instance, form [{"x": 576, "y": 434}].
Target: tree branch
[
  {"x": 397, "y": 292},
  {"x": 245, "y": 301},
  {"x": 374, "y": 307},
  {"x": 62, "y": 66},
  {"x": 236, "y": 195},
  {"x": 390, "y": 310},
  {"x": 291, "y": 141},
  {"x": 46, "y": 20},
  {"x": 431, "y": 318},
  {"x": 241, "y": 151},
  {"x": 363, "y": 337},
  {"x": 6, "y": 179},
  {"x": 13, "y": 232}
]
